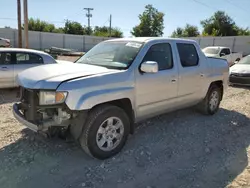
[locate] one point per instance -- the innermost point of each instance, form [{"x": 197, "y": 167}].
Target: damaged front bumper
[
  {"x": 62, "y": 119},
  {"x": 20, "y": 117}
]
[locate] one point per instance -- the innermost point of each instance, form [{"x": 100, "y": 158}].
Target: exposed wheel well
[
  {"x": 219, "y": 84},
  {"x": 126, "y": 105}
]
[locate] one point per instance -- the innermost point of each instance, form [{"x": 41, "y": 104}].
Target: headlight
[{"x": 51, "y": 97}]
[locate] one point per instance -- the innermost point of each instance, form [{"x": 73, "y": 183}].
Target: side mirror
[
  {"x": 222, "y": 54},
  {"x": 149, "y": 67}
]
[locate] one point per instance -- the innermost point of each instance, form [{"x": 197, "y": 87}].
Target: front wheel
[
  {"x": 105, "y": 132},
  {"x": 211, "y": 102}
]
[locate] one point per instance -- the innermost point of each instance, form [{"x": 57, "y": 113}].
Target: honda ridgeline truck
[{"x": 116, "y": 84}]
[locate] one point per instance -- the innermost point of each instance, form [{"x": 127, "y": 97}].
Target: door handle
[
  {"x": 173, "y": 80},
  {"x": 202, "y": 75},
  {"x": 4, "y": 68}
]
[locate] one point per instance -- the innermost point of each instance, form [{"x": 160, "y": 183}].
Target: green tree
[
  {"x": 242, "y": 31},
  {"x": 187, "y": 31},
  {"x": 75, "y": 28},
  {"x": 220, "y": 24},
  {"x": 58, "y": 30},
  {"x": 151, "y": 23},
  {"x": 104, "y": 32},
  {"x": 38, "y": 25}
]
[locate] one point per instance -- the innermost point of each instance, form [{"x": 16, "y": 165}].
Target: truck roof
[
  {"x": 216, "y": 47},
  {"x": 147, "y": 39}
]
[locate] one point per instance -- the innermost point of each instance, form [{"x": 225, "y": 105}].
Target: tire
[
  {"x": 207, "y": 106},
  {"x": 93, "y": 137}
]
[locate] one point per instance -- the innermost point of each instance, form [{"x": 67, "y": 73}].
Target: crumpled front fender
[{"x": 91, "y": 99}]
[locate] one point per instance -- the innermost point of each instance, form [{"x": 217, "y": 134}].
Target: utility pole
[
  {"x": 26, "y": 31},
  {"x": 110, "y": 25},
  {"x": 89, "y": 15},
  {"x": 20, "y": 40}
]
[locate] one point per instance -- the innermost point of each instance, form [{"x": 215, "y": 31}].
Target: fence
[
  {"x": 43, "y": 40},
  {"x": 237, "y": 44}
]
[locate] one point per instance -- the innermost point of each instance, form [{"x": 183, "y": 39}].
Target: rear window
[
  {"x": 28, "y": 58},
  {"x": 211, "y": 50}
]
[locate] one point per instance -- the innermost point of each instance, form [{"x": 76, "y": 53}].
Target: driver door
[{"x": 156, "y": 92}]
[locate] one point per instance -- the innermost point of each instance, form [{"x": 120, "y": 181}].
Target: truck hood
[
  {"x": 51, "y": 75},
  {"x": 240, "y": 68}
]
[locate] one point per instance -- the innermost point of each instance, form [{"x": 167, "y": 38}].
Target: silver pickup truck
[{"x": 118, "y": 83}]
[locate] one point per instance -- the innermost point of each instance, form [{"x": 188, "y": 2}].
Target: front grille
[
  {"x": 240, "y": 75},
  {"x": 29, "y": 102},
  {"x": 239, "y": 80}
]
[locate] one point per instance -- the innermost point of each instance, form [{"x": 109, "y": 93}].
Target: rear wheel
[
  {"x": 105, "y": 132},
  {"x": 211, "y": 102}
]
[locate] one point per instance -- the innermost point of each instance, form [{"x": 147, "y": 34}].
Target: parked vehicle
[
  {"x": 4, "y": 43},
  {"x": 222, "y": 52},
  {"x": 116, "y": 84},
  {"x": 240, "y": 72},
  {"x": 16, "y": 60}
]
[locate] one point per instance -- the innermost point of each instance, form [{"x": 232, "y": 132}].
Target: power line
[
  {"x": 230, "y": 2},
  {"x": 14, "y": 19},
  {"x": 204, "y": 4},
  {"x": 105, "y": 22},
  {"x": 210, "y": 7},
  {"x": 8, "y": 19}
]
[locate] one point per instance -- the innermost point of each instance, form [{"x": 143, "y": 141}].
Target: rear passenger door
[
  {"x": 24, "y": 61},
  {"x": 191, "y": 74},
  {"x": 6, "y": 70}
]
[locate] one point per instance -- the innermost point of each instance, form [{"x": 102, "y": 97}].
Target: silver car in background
[{"x": 16, "y": 60}]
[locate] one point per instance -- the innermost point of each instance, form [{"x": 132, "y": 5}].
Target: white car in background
[
  {"x": 222, "y": 52},
  {"x": 240, "y": 72},
  {"x": 16, "y": 60}
]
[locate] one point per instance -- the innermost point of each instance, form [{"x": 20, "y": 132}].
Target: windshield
[
  {"x": 113, "y": 55},
  {"x": 244, "y": 60},
  {"x": 211, "y": 50}
]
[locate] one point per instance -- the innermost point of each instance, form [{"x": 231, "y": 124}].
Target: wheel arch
[
  {"x": 218, "y": 83},
  {"x": 126, "y": 105}
]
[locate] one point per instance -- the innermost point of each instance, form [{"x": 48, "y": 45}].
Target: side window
[
  {"x": 223, "y": 51},
  {"x": 162, "y": 54},
  {"x": 188, "y": 55},
  {"x": 227, "y": 51},
  {"x": 5, "y": 58},
  {"x": 28, "y": 58}
]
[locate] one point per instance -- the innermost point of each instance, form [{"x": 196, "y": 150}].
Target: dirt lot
[{"x": 181, "y": 149}]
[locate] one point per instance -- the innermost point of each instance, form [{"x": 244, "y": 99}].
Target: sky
[{"x": 125, "y": 13}]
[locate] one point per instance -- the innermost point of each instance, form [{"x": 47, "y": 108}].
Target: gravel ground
[{"x": 182, "y": 149}]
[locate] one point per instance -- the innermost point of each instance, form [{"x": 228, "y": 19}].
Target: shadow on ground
[
  {"x": 181, "y": 149},
  {"x": 8, "y": 95},
  {"x": 240, "y": 87}
]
